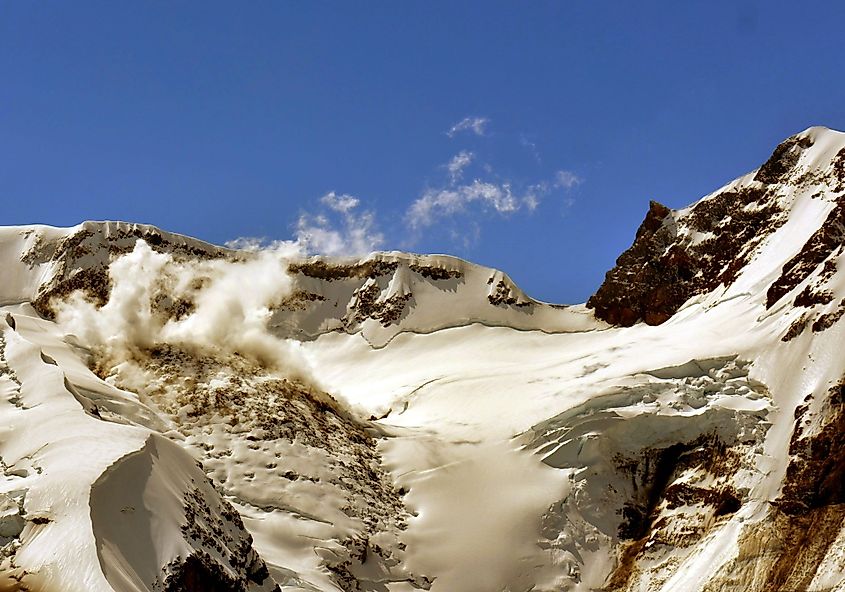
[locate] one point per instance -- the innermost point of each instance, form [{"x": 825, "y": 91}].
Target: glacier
[{"x": 178, "y": 416}]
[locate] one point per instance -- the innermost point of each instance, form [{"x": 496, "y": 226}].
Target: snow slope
[{"x": 178, "y": 416}]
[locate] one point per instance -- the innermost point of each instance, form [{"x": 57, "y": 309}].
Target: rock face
[
  {"x": 815, "y": 477},
  {"x": 680, "y": 254},
  {"x": 822, "y": 249},
  {"x": 651, "y": 279}
]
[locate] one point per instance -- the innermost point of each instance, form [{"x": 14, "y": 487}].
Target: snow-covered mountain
[{"x": 177, "y": 416}]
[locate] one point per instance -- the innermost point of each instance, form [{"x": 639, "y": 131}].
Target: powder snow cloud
[{"x": 223, "y": 317}]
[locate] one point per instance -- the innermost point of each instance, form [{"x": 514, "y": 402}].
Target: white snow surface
[{"x": 497, "y": 422}]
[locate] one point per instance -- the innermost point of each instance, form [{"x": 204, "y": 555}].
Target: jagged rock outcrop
[
  {"x": 651, "y": 279},
  {"x": 680, "y": 254}
]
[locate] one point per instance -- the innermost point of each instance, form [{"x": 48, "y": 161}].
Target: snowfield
[{"x": 177, "y": 416}]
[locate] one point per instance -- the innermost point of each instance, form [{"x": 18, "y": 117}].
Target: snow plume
[
  {"x": 476, "y": 125},
  {"x": 225, "y": 306},
  {"x": 340, "y": 229}
]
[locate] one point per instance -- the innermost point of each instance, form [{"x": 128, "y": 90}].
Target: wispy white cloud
[
  {"x": 470, "y": 191},
  {"x": 456, "y": 198},
  {"x": 476, "y": 125},
  {"x": 445, "y": 202},
  {"x": 347, "y": 232},
  {"x": 255, "y": 244},
  {"x": 531, "y": 198},
  {"x": 458, "y": 163},
  {"x": 339, "y": 229},
  {"x": 567, "y": 179},
  {"x": 531, "y": 147},
  {"x": 342, "y": 203}
]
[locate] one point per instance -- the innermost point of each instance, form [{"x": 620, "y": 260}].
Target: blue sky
[{"x": 527, "y": 136}]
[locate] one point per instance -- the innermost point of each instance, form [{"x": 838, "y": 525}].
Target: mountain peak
[{"x": 679, "y": 254}]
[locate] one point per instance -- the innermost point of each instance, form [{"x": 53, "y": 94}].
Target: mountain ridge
[
  {"x": 260, "y": 421},
  {"x": 372, "y": 292}
]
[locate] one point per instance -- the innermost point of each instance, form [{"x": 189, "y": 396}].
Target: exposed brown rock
[
  {"x": 664, "y": 268},
  {"x": 815, "y": 476},
  {"x": 781, "y": 553},
  {"x": 300, "y": 300},
  {"x": 796, "y": 328},
  {"x": 822, "y": 247},
  {"x": 650, "y": 279},
  {"x": 387, "y": 311},
  {"x": 626, "y": 567},
  {"x": 330, "y": 272},
  {"x": 71, "y": 274},
  {"x": 503, "y": 295},
  {"x": 241, "y": 565},
  {"x": 92, "y": 281},
  {"x": 809, "y": 297},
  {"x": 782, "y": 160},
  {"x": 725, "y": 501},
  {"x": 646, "y": 526},
  {"x": 436, "y": 273},
  {"x": 826, "y": 321},
  {"x": 200, "y": 573},
  {"x": 839, "y": 169},
  {"x": 740, "y": 220},
  {"x": 653, "y": 476}
]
